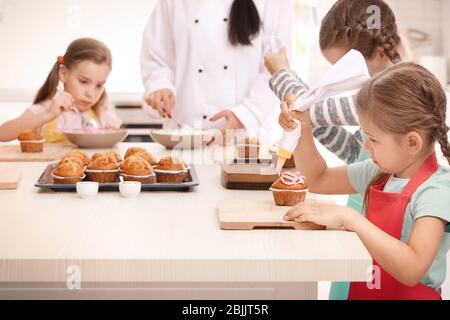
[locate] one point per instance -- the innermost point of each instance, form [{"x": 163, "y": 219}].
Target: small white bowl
[
  {"x": 130, "y": 189},
  {"x": 87, "y": 189}
]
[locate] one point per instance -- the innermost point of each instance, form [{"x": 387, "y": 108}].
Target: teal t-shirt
[
  {"x": 339, "y": 290},
  {"x": 432, "y": 198}
]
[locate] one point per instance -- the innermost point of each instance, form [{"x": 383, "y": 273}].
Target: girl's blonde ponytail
[{"x": 48, "y": 89}]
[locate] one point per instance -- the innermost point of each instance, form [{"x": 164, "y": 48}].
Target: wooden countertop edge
[{"x": 219, "y": 270}]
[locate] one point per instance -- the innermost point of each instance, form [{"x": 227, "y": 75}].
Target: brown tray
[{"x": 46, "y": 182}]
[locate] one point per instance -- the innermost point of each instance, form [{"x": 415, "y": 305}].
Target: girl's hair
[
  {"x": 244, "y": 23},
  {"x": 404, "y": 98},
  {"x": 349, "y": 21},
  {"x": 84, "y": 49}
]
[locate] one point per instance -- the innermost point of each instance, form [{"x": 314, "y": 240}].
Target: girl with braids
[
  {"x": 343, "y": 28},
  {"x": 405, "y": 223},
  {"x": 83, "y": 71},
  {"x": 202, "y": 62}
]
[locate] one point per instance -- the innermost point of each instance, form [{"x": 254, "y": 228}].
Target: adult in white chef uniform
[{"x": 202, "y": 62}]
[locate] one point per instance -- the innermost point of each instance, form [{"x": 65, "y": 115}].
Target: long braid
[
  {"x": 348, "y": 21},
  {"x": 389, "y": 41},
  {"x": 387, "y": 38},
  {"x": 442, "y": 130}
]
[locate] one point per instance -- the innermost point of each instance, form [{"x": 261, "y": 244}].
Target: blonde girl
[{"x": 82, "y": 71}]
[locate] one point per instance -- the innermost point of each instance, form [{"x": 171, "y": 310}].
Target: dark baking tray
[{"x": 46, "y": 182}]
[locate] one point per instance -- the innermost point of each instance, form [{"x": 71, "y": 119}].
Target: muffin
[
  {"x": 135, "y": 168},
  {"x": 31, "y": 141},
  {"x": 68, "y": 173},
  {"x": 171, "y": 170},
  {"x": 71, "y": 159},
  {"x": 143, "y": 153},
  {"x": 104, "y": 169},
  {"x": 79, "y": 154},
  {"x": 289, "y": 189},
  {"x": 248, "y": 148},
  {"x": 111, "y": 153}
]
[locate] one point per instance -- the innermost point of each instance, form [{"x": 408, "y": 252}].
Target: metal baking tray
[{"x": 46, "y": 182}]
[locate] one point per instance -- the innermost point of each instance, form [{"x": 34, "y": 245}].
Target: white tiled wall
[
  {"x": 432, "y": 17},
  {"x": 33, "y": 33},
  {"x": 446, "y": 33}
]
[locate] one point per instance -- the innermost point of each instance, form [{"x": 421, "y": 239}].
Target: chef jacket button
[
  {"x": 200, "y": 70},
  {"x": 225, "y": 19},
  {"x": 205, "y": 117},
  {"x": 196, "y": 20},
  {"x": 225, "y": 67}
]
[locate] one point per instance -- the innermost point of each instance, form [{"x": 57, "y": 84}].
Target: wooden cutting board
[
  {"x": 12, "y": 153},
  {"x": 251, "y": 214},
  {"x": 9, "y": 178},
  {"x": 248, "y": 176}
]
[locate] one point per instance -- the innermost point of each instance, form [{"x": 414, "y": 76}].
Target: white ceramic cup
[
  {"x": 87, "y": 189},
  {"x": 129, "y": 189}
]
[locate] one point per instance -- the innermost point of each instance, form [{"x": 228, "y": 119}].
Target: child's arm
[
  {"x": 310, "y": 163},
  {"x": 345, "y": 145},
  {"x": 406, "y": 262},
  {"x": 285, "y": 82},
  {"x": 327, "y": 116},
  {"x": 10, "y": 130},
  {"x": 60, "y": 103}
]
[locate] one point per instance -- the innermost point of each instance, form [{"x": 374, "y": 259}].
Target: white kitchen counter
[{"x": 160, "y": 245}]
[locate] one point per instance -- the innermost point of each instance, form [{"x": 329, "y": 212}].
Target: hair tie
[{"x": 60, "y": 60}]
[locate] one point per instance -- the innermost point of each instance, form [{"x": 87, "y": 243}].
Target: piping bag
[{"x": 346, "y": 76}]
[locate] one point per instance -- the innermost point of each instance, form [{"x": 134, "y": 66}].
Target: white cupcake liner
[
  {"x": 171, "y": 171},
  {"x": 32, "y": 141},
  {"x": 138, "y": 177},
  {"x": 62, "y": 178},
  {"x": 287, "y": 190}
]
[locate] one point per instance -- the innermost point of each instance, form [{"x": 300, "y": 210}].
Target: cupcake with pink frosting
[{"x": 289, "y": 189}]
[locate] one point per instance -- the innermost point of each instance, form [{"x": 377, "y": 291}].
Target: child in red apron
[{"x": 407, "y": 194}]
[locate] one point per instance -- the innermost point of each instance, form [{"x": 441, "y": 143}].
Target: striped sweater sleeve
[
  {"x": 345, "y": 145},
  {"x": 334, "y": 111},
  {"x": 327, "y": 116},
  {"x": 286, "y": 81}
]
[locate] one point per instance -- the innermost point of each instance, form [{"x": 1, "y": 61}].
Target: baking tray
[{"x": 46, "y": 182}]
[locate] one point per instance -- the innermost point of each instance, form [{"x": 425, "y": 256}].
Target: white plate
[
  {"x": 100, "y": 138},
  {"x": 182, "y": 139}
]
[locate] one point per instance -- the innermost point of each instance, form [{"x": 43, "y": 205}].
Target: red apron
[{"x": 387, "y": 211}]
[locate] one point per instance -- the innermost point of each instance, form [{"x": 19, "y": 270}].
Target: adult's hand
[
  {"x": 162, "y": 101},
  {"x": 232, "y": 124}
]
